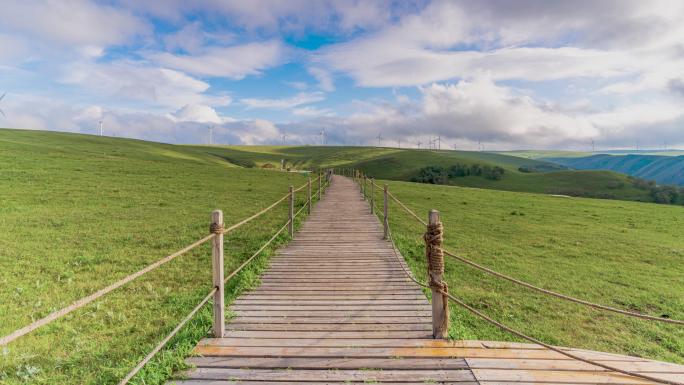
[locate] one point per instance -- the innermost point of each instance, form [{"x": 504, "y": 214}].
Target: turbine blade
[
  {"x": 3, "y": 95},
  {"x": 3, "y": 113}
]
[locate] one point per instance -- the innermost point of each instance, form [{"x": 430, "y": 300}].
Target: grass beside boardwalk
[
  {"x": 80, "y": 212},
  {"x": 622, "y": 254}
]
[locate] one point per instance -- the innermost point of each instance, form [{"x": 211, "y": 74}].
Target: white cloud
[
  {"x": 135, "y": 81},
  {"x": 284, "y": 103},
  {"x": 312, "y": 111},
  {"x": 197, "y": 113},
  {"x": 234, "y": 62},
  {"x": 324, "y": 78},
  {"x": 76, "y": 22}
]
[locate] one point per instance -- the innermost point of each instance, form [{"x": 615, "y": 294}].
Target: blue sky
[{"x": 511, "y": 75}]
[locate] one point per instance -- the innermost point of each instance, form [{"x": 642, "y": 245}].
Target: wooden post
[
  {"x": 363, "y": 187},
  {"x": 440, "y": 304},
  {"x": 217, "y": 268},
  {"x": 308, "y": 208},
  {"x": 372, "y": 195},
  {"x": 290, "y": 226},
  {"x": 385, "y": 223},
  {"x": 320, "y": 185}
]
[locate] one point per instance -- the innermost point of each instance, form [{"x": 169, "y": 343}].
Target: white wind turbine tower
[
  {"x": 1, "y": 111},
  {"x": 100, "y": 123},
  {"x": 211, "y": 134},
  {"x": 379, "y": 138},
  {"x": 322, "y": 135},
  {"x": 419, "y": 143}
]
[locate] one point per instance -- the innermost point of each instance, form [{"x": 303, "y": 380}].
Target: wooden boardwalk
[{"x": 336, "y": 307}]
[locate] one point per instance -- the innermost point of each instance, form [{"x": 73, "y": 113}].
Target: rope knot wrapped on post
[
  {"x": 433, "y": 247},
  {"x": 216, "y": 228}
]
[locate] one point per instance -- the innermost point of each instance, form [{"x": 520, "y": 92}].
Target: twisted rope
[
  {"x": 562, "y": 296},
  {"x": 185, "y": 320},
  {"x": 513, "y": 331},
  {"x": 214, "y": 229},
  {"x": 86, "y": 300},
  {"x": 555, "y": 349},
  {"x": 539, "y": 289},
  {"x": 519, "y": 334},
  {"x": 166, "y": 339}
]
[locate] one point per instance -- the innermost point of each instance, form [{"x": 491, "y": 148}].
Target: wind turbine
[
  {"x": 283, "y": 136},
  {"x": 100, "y": 123},
  {"x": 419, "y": 143},
  {"x": 593, "y": 146},
  {"x": 211, "y": 135},
  {"x": 322, "y": 134},
  {"x": 439, "y": 142},
  {"x": 1, "y": 111},
  {"x": 379, "y": 138},
  {"x": 399, "y": 142}
]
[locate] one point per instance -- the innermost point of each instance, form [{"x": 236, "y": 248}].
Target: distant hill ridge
[{"x": 662, "y": 169}]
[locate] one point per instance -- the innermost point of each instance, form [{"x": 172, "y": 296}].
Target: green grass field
[
  {"x": 623, "y": 254},
  {"x": 404, "y": 164},
  {"x": 80, "y": 212}
]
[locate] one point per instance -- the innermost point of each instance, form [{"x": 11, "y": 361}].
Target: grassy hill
[
  {"x": 662, "y": 169},
  {"x": 79, "y": 212},
  {"x": 406, "y": 164},
  {"x": 624, "y": 254}
]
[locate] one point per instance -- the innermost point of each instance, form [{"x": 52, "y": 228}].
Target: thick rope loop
[
  {"x": 433, "y": 246},
  {"x": 216, "y": 228}
]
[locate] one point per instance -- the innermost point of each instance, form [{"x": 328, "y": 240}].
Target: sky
[{"x": 492, "y": 74}]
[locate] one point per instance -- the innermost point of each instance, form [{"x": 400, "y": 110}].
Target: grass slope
[
  {"x": 80, "y": 212},
  {"x": 623, "y": 254},
  {"x": 662, "y": 169},
  {"x": 404, "y": 164}
]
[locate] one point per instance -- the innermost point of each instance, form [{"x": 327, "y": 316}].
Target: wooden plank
[
  {"x": 329, "y": 375},
  {"x": 457, "y": 352},
  {"x": 377, "y": 334},
  {"x": 425, "y": 326},
  {"x": 231, "y": 382},
  {"x": 559, "y": 376},
  {"x": 329, "y": 363},
  {"x": 570, "y": 364},
  {"x": 336, "y": 319}
]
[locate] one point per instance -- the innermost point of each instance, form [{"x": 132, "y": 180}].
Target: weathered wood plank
[
  {"x": 329, "y": 375},
  {"x": 329, "y": 363}
]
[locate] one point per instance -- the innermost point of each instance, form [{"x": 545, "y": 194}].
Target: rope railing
[
  {"x": 213, "y": 292},
  {"x": 217, "y": 231},
  {"x": 204, "y": 301},
  {"x": 555, "y": 349},
  {"x": 434, "y": 246},
  {"x": 540, "y": 289},
  {"x": 86, "y": 300}
]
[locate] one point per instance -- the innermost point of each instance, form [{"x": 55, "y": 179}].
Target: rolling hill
[
  {"x": 406, "y": 164},
  {"x": 662, "y": 169}
]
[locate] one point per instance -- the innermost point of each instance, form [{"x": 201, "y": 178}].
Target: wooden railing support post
[
  {"x": 440, "y": 302},
  {"x": 308, "y": 208},
  {"x": 372, "y": 195},
  {"x": 217, "y": 268},
  {"x": 385, "y": 223},
  {"x": 320, "y": 185},
  {"x": 290, "y": 225},
  {"x": 363, "y": 187}
]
